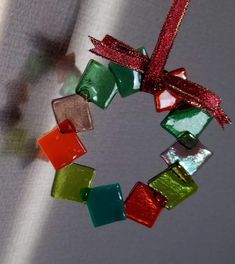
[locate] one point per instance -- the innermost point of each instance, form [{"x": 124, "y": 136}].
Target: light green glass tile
[
  {"x": 71, "y": 181},
  {"x": 172, "y": 187}
]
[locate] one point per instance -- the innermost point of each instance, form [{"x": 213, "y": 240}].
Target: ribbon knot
[{"x": 155, "y": 78}]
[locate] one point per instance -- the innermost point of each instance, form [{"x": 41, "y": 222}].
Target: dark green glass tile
[
  {"x": 172, "y": 187},
  {"x": 71, "y": 181},
  {"x": 128, "y": 81},
  {"x": 188, "y": 140},
  {"x": 97, "y": 84},
  {"x": 186, "y": 119},
  {"x": 181, "y": 172},
  {"x": 105, "y": 204}
]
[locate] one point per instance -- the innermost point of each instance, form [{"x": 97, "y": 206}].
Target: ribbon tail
[
  {"x": 119, "y": 52},
  {"x": 198, "y": 96},
  {"x": 115, "y": 43},
  {"x": 222, "y": 117}
]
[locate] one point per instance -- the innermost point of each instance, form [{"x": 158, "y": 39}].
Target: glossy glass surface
[
  {"x": 97, "y": 84},
  {"x": 67, "y": 127},
  {"x": 144, "y": 204},
  {"x": 186, "y": 118},
  {"x": 70, "y": 181},
  {"x": 188, "y": 140},
  {"x": 105, "y": 204},
  {"x": 166, "y": 101},
  {"x": 128, "y": 81},
  {"x": 172, "y": 187},
  {"x": 181, "y": 72},
  {"x": 76, "y": 109},
  {"x": 61, "y": 149},
  {"x": 190, "y": 159},
  {"x": 180, "y": 172}
]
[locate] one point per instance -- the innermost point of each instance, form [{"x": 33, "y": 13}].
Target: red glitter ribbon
[{"x": 155, "y": 78}]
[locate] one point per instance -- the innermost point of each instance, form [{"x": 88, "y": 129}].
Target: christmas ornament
[{"x": 191, "y": 106}]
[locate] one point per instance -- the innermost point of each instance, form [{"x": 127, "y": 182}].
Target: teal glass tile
[
  {"x": 105, "y": 204},
  {"x": 97, "y": 84}
]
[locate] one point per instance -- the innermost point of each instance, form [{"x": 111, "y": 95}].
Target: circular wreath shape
[{"x": 191, "y": 108}]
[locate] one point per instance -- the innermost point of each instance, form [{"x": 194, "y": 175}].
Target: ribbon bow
[{"x": 155, "y": 78}]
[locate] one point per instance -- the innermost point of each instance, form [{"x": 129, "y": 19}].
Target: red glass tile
[
  {"x": 67, "y": 127},
  {"x": 182, "y": 73},
  {"x": 61, "y": 149},
  {"x": 166, "y": 100},
  {"x": 144, "y": 204}
]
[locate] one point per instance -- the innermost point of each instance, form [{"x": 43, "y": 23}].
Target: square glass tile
[
  {"x": 97, "y": 84},
  {"x": 105, "y": 204},
  {"x": 71, "y": 181},
  {"x": 74, "y": 108},
  {"x": 172, "y": 187}
]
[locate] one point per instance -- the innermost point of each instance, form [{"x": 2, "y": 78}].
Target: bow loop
[{"x": 119, "y": 52}]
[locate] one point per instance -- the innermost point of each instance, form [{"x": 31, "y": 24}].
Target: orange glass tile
[{"x": 61, "y": 149}]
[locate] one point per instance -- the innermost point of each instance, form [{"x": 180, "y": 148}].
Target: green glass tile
[
  {"x": 105, "y": 204},
  {"x": 128, "y": 81},
  {"x": 84, "y": 192},
  {"x": 97, "y": 84},
  {"x": 188, "y": 140},
  {"x": 172, "y": 187},
  {"x": 143, "y": 51},
  {"x": 71, "y": 181},
  {"x": 186, "y": 119}
]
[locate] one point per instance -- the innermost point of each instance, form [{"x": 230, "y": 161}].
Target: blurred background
[{"x": 43, "y": 50}]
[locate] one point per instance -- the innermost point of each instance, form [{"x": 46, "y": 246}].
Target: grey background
[{"x": 126, "y": 142}]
